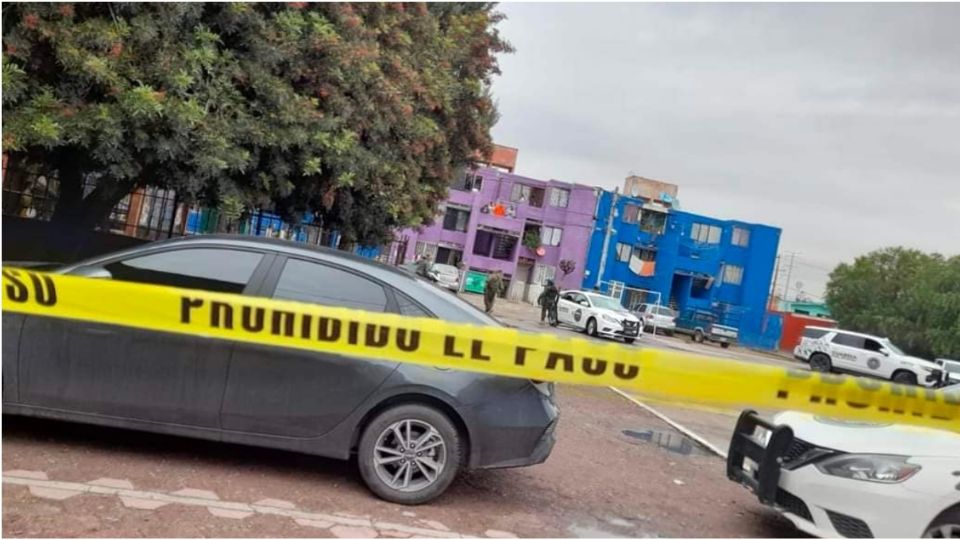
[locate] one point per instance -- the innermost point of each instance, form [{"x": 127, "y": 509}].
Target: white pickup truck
[{"x": 863, "y": 354}]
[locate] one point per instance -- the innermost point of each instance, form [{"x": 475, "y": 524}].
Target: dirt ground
[{"x": 597, "y": 482}]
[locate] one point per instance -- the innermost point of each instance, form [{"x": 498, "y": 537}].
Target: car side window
[
  {"x": 813, "y": 333},
  {"x": 209, "y": 269},
  {"x": 872, "y": 345},
  {"x": 848, "y": 340},
  {"x": 408, "y": 307},
  {"x": 317, "y": 283},
  {"x": 568, "y": 296}
]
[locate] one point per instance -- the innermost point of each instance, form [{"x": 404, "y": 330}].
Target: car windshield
[
  {"x": 605, "y": 302},
  {"x": 893, "y": 348},
  {"x": 951, "y": 367},
  {"x": 475, "y": 312}
]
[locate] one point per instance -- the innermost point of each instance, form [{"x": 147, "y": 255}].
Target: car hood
[
  {"x": 620, "y": 315},
  {"x": 920, "y": 362},
  {"x": 871, "y": 438}
]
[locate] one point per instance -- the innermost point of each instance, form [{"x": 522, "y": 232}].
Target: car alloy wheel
[
  {"x": 944, "y": 530},
  {"x": 409, "y": 455},
  {"x": 820, "y": 362},
  {"x": 592, "y": 327},
  {"x": 698, "y": 336}
]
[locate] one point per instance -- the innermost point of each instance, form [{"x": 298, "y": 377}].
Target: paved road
[{"x": 617, "y": 470}]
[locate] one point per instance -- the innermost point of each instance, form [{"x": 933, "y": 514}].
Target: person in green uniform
[
  {"x": 548, "y": 303},
  {"x": 493, "y": 288}
]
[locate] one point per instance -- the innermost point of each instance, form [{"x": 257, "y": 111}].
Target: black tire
[
  {"x": 628, "y": 340},
  {"x": 698, "y": 336},
  {"x": 451, "y": 453},
  {"x": 591, "y": 331},
  {"x": 725, "y": 345},
  {"x": 946, "y": 525},
  {"x": 904, "y": 377},
  {"x": 820, "y": 362}
]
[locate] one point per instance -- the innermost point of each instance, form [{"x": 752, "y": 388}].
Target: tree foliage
[
  {"x": 909, "y": 296},
  {"x": 357, "y": 112}
]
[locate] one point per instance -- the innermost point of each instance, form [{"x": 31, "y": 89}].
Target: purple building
[{"x": 484, "y": 221}]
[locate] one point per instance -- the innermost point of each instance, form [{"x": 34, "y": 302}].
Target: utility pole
[
  {"x": 606, "y": 235},
  {"x": 773, "y": 288},
  {"x": 786, "y": 287}
]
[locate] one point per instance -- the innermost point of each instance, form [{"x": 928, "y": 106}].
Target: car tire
[
  {"x": 725, "y": 345},
  {"x": 381, "y": 441},
  {"x": 591, "y": 328},
  {"x": 904, "y": 377},
  {"x": 698, "y": 336},
  {"x": 820, "y": 362},
  {"x": 946, "y": 525},
  {"x": 628, "y": 340}
]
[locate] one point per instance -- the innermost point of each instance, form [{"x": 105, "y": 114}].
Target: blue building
[{"x": 684, "y": 260}]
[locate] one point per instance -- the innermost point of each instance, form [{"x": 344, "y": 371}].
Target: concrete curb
[{"x": 675, "y": 425}]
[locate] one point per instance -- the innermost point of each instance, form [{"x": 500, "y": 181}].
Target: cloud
[{"x": 838, "y": 123}]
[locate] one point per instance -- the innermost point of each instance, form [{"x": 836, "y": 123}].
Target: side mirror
[
  {"x": 92, "y": 272},
  {"x": 884, "y": 351}
]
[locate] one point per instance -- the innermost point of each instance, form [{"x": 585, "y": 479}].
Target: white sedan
[
  {"x": 597, "y": 315},
  {"x": 835, "y": 478}
]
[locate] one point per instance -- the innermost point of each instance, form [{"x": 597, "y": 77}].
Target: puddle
[{"x": 668, "y": 440}]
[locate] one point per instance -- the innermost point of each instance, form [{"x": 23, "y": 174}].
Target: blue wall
[{"x": 681, "y": 261}]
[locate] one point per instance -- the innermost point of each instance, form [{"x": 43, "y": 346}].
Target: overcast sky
[{"x": 839, "y": 124}]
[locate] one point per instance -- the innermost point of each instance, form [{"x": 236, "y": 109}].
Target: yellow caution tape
[{"x": 657, "y": 374}]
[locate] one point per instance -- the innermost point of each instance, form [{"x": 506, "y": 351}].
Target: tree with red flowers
[{"x": 359, "y": 113}]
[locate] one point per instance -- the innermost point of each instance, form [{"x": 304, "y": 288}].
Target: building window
[
  {"x": 550, "y": 236},
  {"x": 741, "y": 236},
  {"x": 645, "y": 254},
  {"x": 732, "y": 274},
  {"x": 623, "y": 252},
  {"x": 630, "y": 213},
  {"x": 425, "y": 248},
  {"x": 470, "y": 181},
  {"x": 520, "y": 193},
  {"x": 652, "y": 222},
  {"x": 456, "y": 219},
  {"x": 559, "y": 197},
  {"x": 495, "y": 245},
  {"x": 705, "y": 234}
]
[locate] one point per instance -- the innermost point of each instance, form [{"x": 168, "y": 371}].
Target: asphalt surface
[{"x": 617, "y": 470}]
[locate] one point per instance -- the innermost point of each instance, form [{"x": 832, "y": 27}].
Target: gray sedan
[{"x": 412, "y": 428}]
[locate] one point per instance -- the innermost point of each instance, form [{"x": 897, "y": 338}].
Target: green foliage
[
  {"x": 531, "y": 239},
  {"x": 357, "y": 112},
  {"x": 909, "y": 296}
]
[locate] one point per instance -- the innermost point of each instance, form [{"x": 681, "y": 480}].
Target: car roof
[
  {"x": 858, "y": 334},
  {"x": 273, "y": 244}
]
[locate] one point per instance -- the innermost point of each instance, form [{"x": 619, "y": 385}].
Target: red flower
[
  {"x": 31, "y": 20},
  {"x": 66, "y": 10},
  {"x": 297, "y": 5}
]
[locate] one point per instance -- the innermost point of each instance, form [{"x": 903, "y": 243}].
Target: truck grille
[{"x": 848, "y": 526}]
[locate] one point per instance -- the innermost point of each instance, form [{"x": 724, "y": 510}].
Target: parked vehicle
[
  {"x": 863, "y": 354},
  {"x": 657, "y": 318},
  {"x": 446, "y": 276},
  {"x": 702, "y": 326},
  {"x": 597, "y": 315},
  {"x": 412, "y": 428},
  {"x": 835, "y": 478},
  {"x": 805, "y": 347},
  {"x": 951, "y": 370}
]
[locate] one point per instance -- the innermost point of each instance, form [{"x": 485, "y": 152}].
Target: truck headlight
[
  {"x": 884, "y": 469},
  {"x": 610, "y": 318}
]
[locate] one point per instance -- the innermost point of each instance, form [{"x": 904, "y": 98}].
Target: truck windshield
[{"x": 893, "y": 348}]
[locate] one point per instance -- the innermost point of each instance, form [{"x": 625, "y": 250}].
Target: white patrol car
[
  {"x": 597, "y": 314},
  {"x": 863, "y": 354},
  {"x": 835, "y": 478}
]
